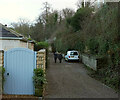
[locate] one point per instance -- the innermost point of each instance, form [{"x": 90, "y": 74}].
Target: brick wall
[
  {"x": 1, "y": 58},
  {"x": 41, "y": 59}
]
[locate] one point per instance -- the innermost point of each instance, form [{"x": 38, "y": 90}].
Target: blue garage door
[{"x": 19, "y": 64}]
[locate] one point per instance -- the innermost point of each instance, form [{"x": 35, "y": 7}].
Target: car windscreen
[{"x": 74, "y": 53}]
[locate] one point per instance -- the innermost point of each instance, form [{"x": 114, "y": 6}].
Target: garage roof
[{"x": 6, "y": 32}]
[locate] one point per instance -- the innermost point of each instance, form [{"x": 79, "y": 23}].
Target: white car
[{"x": 72, "y": 55}]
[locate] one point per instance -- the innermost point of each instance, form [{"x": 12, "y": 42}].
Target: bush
[
  {"x": 2, "y": 79},
  {"x": 41, "y": 45},
  {"x": 93, "y": 46},
  {"x": 39, "y": 80}
]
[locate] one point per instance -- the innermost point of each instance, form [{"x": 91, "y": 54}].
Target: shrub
[
  {"x": 41, "y": 45},
  {"x": 93, "y": 46},
  {"x": 2, "y": 79},
  {"x": 39, "y": 80}
]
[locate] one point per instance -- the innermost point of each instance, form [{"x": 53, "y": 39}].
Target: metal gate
[{"x": 19, "y": 64}]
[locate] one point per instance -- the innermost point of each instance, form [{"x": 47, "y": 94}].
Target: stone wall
[
  {"x": 89, "y": 61},
  {"x": 41, "y": 59},
  {"x": 1, "y": 58}
]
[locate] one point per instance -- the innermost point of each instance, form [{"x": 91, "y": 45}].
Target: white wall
[
  {"x": 89, "y": 61},
  {"x": 9, "y": 44}
]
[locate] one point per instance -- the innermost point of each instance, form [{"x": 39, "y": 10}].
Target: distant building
[{"x": 10, "y": 39}]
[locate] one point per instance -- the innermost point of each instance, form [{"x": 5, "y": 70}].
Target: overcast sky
[{"x": 12, "y": 10}]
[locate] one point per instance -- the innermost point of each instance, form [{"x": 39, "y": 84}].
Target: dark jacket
[
  {"x": 60, "y": 56},
  {"x": 55, "y": 55}
]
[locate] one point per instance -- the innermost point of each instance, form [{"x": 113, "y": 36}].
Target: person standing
[
  {"x": 60, "y": 57},
  {"x": 55, "y": 56}
]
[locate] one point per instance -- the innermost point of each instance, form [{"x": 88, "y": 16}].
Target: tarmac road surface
[{"x": 70, "y": 80}]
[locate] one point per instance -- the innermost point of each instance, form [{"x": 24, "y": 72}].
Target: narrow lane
[{"x": 70, "y": 80}]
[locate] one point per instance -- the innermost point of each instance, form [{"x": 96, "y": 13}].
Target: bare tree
[
  {"x": 83, "y": 3},
  {"x": 22, "y": 27},
  {"x": 67, "y": 13},
  {"x": 80, "y": 3},
  {"x": 46, "y": 10}
]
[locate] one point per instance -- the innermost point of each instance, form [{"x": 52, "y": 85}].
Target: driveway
[{"x": 70, "y": 80}]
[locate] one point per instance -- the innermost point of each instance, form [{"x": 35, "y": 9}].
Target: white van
[{"x": 72, "y": 55}]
